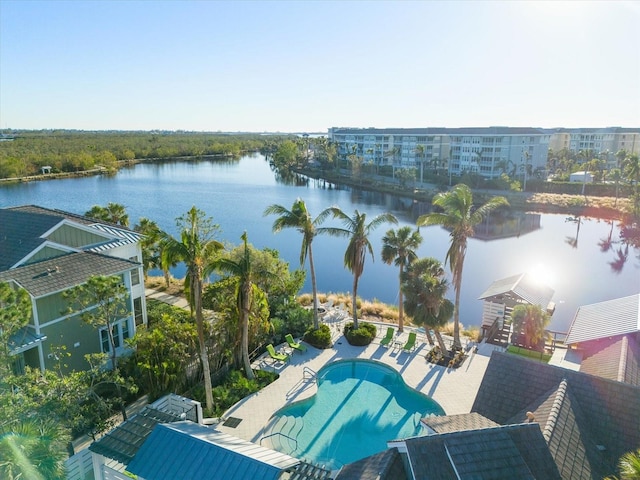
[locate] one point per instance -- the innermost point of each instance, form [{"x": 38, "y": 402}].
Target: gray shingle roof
[
  {"x": 591, "y": 421},
  {"x": 22, "y": 228},
  {"x": 605, "y": 319},
  {"x": 20, "y": 234},
  {"x": 189, "y": 451},
  {"x": 523, "y": 286},
  {"x": 123, "y": 442},
  {"x": 616, "y": 358},
  {"x": 61, "y": 273},
  {"x": 457, "y": 423},
  {"x": 386, "y": 465},
  {"x": 503, "y": 452}
]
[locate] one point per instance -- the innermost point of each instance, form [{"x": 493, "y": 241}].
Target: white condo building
[{"x": 488, "y": 151}]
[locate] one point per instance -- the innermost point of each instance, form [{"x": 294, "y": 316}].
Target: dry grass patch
[
  {"x": 568, "y": 201},
  {"x": 373, "y": 310},
  {"x": 176, "y": 286}
]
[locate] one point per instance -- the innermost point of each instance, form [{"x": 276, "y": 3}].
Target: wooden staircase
[{"x": 500, "y": 336}]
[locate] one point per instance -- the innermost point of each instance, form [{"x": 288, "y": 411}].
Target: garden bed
[{"x": 449, "y": 359}]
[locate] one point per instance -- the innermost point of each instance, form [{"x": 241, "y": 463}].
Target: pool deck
[{"x": 455, "y": 390}]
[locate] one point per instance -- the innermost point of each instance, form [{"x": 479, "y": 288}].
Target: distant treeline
[{"x": 74, "y": 151}]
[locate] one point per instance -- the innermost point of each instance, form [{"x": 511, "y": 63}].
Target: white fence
[{"x": 80, "y": 466}]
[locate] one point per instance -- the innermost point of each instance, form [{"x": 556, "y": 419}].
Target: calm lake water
[{"x": 565, "y": 254}]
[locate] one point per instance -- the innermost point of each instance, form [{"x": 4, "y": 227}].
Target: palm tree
[
  {"x": 199, "y": 251},
  {"x": 113, "y": 213},
  {"x": 460, "y": 216},
  {"x": 399, "y": 247},
  {"x": 420, "y": 154},
  {"x": 152, "y": 247},
  {"x": 629, "y": 465},
  {"x": 152, "y": 236},
  {"x": 243, "y": 270},
  {"x": 34, "y": 449},
  {"x": 300, "y": 218},
  {"x": 529, "y": 323},
  {"x": 357, "y": 228},
  {"x": 425, "y": 286}
]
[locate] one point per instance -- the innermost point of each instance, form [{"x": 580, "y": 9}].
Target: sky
[{"x": 306, "y": 66}]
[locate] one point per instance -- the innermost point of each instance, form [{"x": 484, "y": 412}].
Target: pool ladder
[{"x": 308, "y": 371}]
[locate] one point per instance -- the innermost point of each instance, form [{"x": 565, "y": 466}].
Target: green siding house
[{"x": 47, "y": 252}]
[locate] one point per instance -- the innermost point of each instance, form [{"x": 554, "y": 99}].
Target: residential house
[
  {"x": 48, "y": 252},
  {"x": 605, "y": 338},
  {"x": 168, "y": 439}
]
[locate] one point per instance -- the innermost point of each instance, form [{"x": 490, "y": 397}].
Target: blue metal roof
[
  {"x": 24, "y": 339},
  {"x": 188, "y": 451}
]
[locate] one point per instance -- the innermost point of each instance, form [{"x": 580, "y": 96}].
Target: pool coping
[{"x": 453, "y": 389}]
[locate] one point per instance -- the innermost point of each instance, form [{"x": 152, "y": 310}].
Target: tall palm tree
[
  {"x": 458, "y": 215},
  {"x": 399, "y": 247},
  {"x": 199, "y": 251},
  {"x": 151, "y": 256},
  {"x": 300, "y": 218},
  {"x": 152, "y": 247},
  {"x": 357, "y": 228},
  {"x": 425, "y": 287},
  {"x": 420, "y": 149},
  {"x": 244, "y": 271}
]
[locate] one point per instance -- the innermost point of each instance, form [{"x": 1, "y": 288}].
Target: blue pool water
[{"x": 359, "y": 406}]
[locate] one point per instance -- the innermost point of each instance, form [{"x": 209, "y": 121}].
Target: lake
[{"x": 567, "y": 255}]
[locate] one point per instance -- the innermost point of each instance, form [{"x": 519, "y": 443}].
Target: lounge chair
[
  {"x": 411, "y": 342},
  {"x": 293, "y": 344},
  {"x": 388, "y": 337},
  {"x": 282, "y": 357}
]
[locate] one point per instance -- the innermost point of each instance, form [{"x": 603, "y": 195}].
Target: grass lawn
[{"x": 542, "y": 357}]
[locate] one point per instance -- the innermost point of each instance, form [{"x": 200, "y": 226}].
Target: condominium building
[{"x": 488, "y": 151}]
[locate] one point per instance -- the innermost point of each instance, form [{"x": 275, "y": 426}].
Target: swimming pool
[{"x": 359, "y": 406}]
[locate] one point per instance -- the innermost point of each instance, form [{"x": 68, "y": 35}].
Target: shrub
[
  {"x": 363, "y": 335},
  {"x": 434, "y": 355},
  {"x": 234, "y": 388},
  {"x": 291, "y": 318},
  {"x": 320, "y": 338}
]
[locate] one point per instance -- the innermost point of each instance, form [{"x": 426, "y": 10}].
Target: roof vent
[{"x": 601, "y": 448}]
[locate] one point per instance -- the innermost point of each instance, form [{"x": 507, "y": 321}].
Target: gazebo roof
[{"x": 524, "y": 286}]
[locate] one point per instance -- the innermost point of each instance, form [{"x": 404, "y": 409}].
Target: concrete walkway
[
  {"x": 453, "y": 389},
  {"x": 180, "y": 302}
]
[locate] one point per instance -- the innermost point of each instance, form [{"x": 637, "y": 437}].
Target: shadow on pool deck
[{"x": 454, "y": 390}]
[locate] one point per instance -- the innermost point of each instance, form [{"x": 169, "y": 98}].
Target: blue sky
[{"x": 309, "y": 65}]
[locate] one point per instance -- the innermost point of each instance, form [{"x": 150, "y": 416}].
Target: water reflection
[
  {"x": 573, "y": 241},
  {"x": 629, "y": 236},
  {"x": 505, "y": 224}
]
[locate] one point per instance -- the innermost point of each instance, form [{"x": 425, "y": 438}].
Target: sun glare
[{"x": 542, "y": 274}]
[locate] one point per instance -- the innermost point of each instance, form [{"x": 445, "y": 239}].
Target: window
[
  {"x": 120, "y": 332},
  {"x": 135, "y": 274},
  {"x": 104, "y": 340}
]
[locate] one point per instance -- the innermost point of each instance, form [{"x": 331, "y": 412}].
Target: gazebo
[{"x": 503, "y": 295}]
